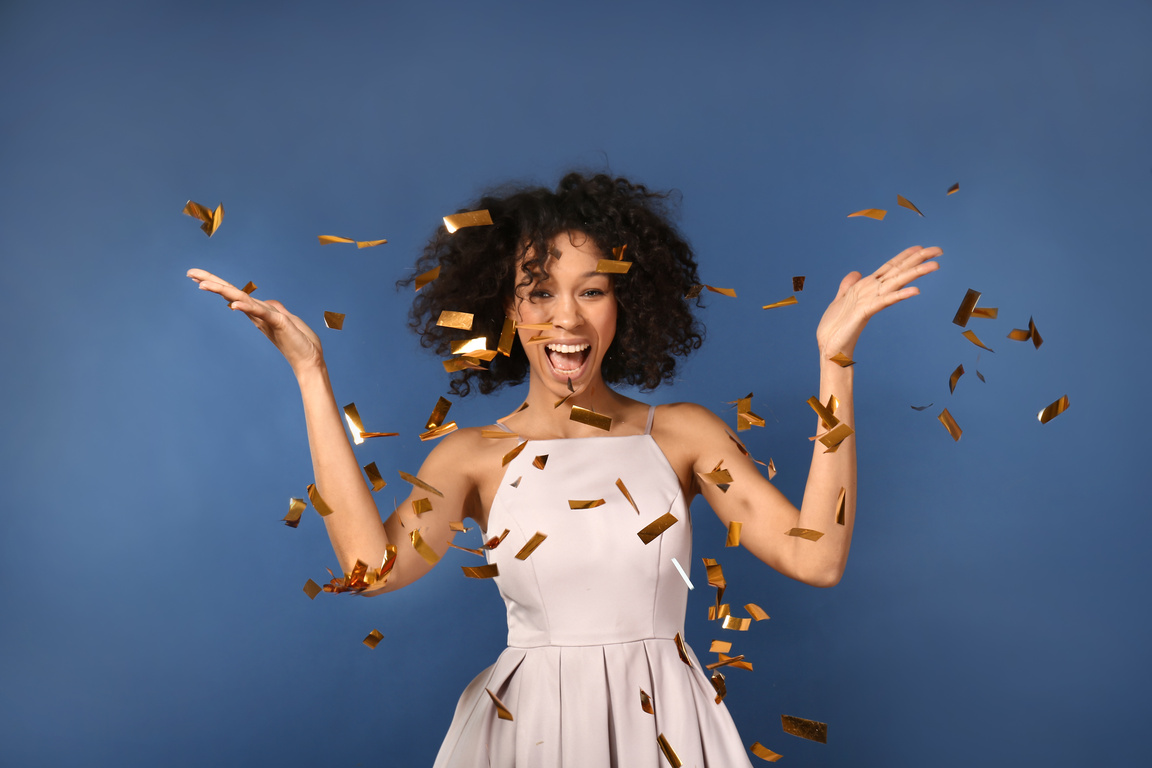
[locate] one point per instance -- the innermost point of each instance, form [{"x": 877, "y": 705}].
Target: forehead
[{"x": 570, "y": 255}]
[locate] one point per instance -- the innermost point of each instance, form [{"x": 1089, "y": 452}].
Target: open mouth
[{"x": 567, "y": 359}]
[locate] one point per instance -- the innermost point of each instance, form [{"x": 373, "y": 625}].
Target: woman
[{"x": 595, "y": 672}]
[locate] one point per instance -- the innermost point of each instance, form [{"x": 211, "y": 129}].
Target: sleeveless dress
[{"x": 592, "y": 617}]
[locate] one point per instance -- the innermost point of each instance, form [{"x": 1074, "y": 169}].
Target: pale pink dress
[{"x": 592, "y": 614}]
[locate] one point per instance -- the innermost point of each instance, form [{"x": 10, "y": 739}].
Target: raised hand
[
  {"x": 295, "y": 340},
  {"x": 859, "y": 298}
]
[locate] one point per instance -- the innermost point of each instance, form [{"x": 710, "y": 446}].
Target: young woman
[{"x": 595, "y": 611}]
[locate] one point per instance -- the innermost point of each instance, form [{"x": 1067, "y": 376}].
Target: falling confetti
[{"x": 211, "y": 219}]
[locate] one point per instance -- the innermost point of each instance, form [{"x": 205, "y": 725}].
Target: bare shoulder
[{"x": 687, "y": 421}]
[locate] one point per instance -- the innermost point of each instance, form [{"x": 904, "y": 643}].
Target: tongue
[{"x": 566, "y": 361}]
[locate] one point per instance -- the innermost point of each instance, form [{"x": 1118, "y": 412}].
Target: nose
[{"x": 566, "y": 313}]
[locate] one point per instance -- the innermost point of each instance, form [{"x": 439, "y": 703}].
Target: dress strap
[
  {"x": 651, "y": 413},
  {"x": 501, "y": 425}
]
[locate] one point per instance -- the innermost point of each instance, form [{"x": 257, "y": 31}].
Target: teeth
[{"x": 568, "y": 348}]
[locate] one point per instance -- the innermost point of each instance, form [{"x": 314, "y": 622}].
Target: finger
[
  {"x": 201, "y": 275},
  {"x": 894, "y": 261},
  {"x": 898, "y": 279},
  {"x": 227, "y": 290}
]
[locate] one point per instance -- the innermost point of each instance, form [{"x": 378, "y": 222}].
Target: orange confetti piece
[
  {"x": 954, "y": 188},
  {"x": 805, "y": 533},
  {"x": 530, "y": 547},
  {"x": 805, "y": 729},
  {"x": 871, "y": 213},
  {"x": 1053, "y": 410},
  {"x": 373, "y": 639},
  {"x": 950, "y": 424},
  {"x": 489, "y": 571},
  {"x": 971, "y": 336},
  {"x": 798, "y": 284},
  {"x": 782, "y": 303},
  {"x": 904, "y": 202},
  {"x": 467, "y": 219},
  {"x": 624, "y": 490},
  {"x": 501, "y": 710},
  {"x": 763, "y": 752},
  {"x": 211, "y": 219},
  {"x": 334, "y": 320},
  {"x": 311, "y": 589}
]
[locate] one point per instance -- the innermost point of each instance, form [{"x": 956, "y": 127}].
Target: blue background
[{"x": 994, "y": 608}]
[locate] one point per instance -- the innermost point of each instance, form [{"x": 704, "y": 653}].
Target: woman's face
[{"x": 581, "y": 305}]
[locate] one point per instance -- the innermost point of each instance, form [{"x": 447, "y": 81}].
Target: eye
[
  {"x": 539, "y": 293},
  {"x": 594, "y": 292}
]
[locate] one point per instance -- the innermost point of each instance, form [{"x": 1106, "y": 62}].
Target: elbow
[{"x": 823, "y": 578}]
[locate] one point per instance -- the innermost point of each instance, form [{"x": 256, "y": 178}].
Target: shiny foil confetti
[
  {"x": 950, "y": 424},
  {"x": 489, "y": 571},
  {"x": 694, "y": 291},
  {"x": 738, "y": 624},
  {"x": 534, "y": 327},
  {"x": 985, "y": 313},
  {"x": 805, "y": 729},
  {"x": 354, "y": 423},
  {"x": 798, "y": 284},
  {"x": 842, "y": 360},
  {"x": 295, "y": 509},
  {"x": 538, "y": 339},
  {"x": 967, "y": 304},
  {"x": 211, "y": 219},
  {"x": 423, "y": 549},
  {"x": 450, "y": 319},
  {"x": 971, "y": 336},
  {"x": 467, "y": 347},
  {"x": 682, "y": 573},
  {"x": 954, "y": 188},
  {"x": 904, "y": 202},
  {"x": 827, "y": 418},
  {"x": 494, "y": 542},
  {"x": 715, "y": 575},
  {"x": 540, "y": 461},
  {"x": 591, "y": 418},
  {"x": 367, "y": 435},
  {"x": 729, "y": 292},
  {"x": 805, "y": 533},
  {"x": 680, "y": 649},
  {"x": 835, "y": 436},
  {"x": 921, "y": 407},
  {"x": 530, "y": 547},
  {"x": 439, "y": 412},
  {"x": 427, "y": 277},
  {"x": 438, "y": 432},
  {"x": 318, "y": 503},
  {"x": 756, "y": 612},
  {"x": 955, "y": 377},
  {"x": 501, "y": 710},
  {"x": 669, "y": 753},
  {"x": 763, "y": 752},
  {"x": 1036, "y": 340},
  {"x": 374, "y": 477},
  {"x": 871, "y": 213},
  {"x": 717, "y": 477},
  {"x": 507, "y": 336},
  {"x": 585, "y": 503},
  {"x": 771, "y": 468},
  {"x": 733, "y": 539},
  {"x": 334, "y": 320},
  {"x": 468, "y": 219},
  {"x": 613, "y": 267},
  {"x": 249, "y": 287},
  {"x": 731, "y": 661},
  {"x": 412, "y": 479},
  {"x": 312, "y": 589},
  {"x": 333, "y": 239},
  {"x": 460, "y": 363},
  {"x": 841, "y": 505},
  {"x": 513, "y": 453},
  {"x": 1053, "y": 410},
  {"x": 369, "y": 243},
  {"x": 420, "y": 506},
  {"x": 624, "y": 490},
  {"x": 373, "y": 639},
  {"x": 719, "y": 685},
  {"x": 720, "y": 646},
  {"x": 782, "y": 303},
  {"x": 497, "y": 434},
  {"x": 477, "y": 552},
  {"x": 649, "y": 532},
  {"x": 646, "y": 703},
  {"x": 745, "y": 419},
  {"x": 458, "y": 526}
]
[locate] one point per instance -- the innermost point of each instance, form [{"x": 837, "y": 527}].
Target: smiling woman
[{"x": 596, "y": 671}]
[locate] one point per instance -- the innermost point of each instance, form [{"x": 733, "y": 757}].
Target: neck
[{"x": 544, "y": 417}]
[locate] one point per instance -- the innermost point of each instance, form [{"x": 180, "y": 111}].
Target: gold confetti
[
  {"x": 694, "y": 291},
  {"x": 715, "y": 574},
  {"x": 537, "y": 340},
  {"x": 427, "y": 277},
  {"x": 489, "y": 571},
  {"x": 497, "y": 434},
  {"x": 501, "y": 710},
  {"x": 955, "y": 377},
  {"x": 378, "y": 434},
  {"x": 354, "y": 423},
  {"x": 646, "y": 703},
  {"x": 210, "y": 218},
  {"x": 805, "y": 533},
  {"x": 369, "y": 243},
  {"x": 835, "y": 436},
  {"x": 419, "y": 483},
  {"x": 985, "y": 313},
  {"x": 422, "y": 547},
  {"x": 871, "y": 213},
  {"x": 771, "y": 468},
  {"x": 534, "y": 327},
  {"x": 1053, "y": 410},
  {"x": 467, "y": 219},
  {"x": 730, "y": 292},
  {"x": 967, "y": 305},
  {"x": 540, "y": 461},
  {"x": 921, "y": 407},
  {"x": 295, "y": 509},
  {"x": 591, "y": 418},
  {"x": 656, "y": 527},
  {"x": 841, "y": 505},
  {"x": 733, "y": 539},
  {"x": 827, "y": 418},
  {"x": 494, "y": 542},
  {"x": 432, "y": 434},
  {"x": 466, "y": 347},
  {"x": 613, "y": 267},
  {"x": 906, "y": 203},
  {"x": 420, "y": 506},
  {"x": 669, "y": 753},
  {"x": 950, "y": 424},
  {"x": 312, "y": 589},
  {"x": 584, "y": 503},
  {"x": 741, "y": 625},
  {"x": 460, "y": 363},
  {"x": 374, "y": 477},
  {"x": 624, "y": 490},
  {"x": 718, "y": 612},
  {"x": 478, "y": 552},
  {"x": 331, "y": 239},
  {"x": 954, "y": 188},
  {"x": 458, "y": 526},
  {"x": 782, "y": 303},
  {"x": 971, "y": 336},
  {"x": 1036, "y": 340},
  {"x": 716, "y": 476},
  {"x": 718, "y": 684},
  {"x": 513, "y": 453},
  {"x": 726, "y": 661},
  {"x": 720, "y": 646},
  {"x": 798, "y": 284},
  {"x": 317, "y": 502},
  {"x": 450, "y": 319},
  {"x": 536, "y": 540},
  {"x": 334, "y": 320},
  {"x": 842, "y": 360},
  {"x": 805, "y": 729},
  {"x": 440, "y": 411},
  {"x": 507, "y": 336},
  {"x": 758, "y": 613},
  {"x": 681, "y": 650},
  {"x": 249, "y": 287},
  {"x": 373, "y": 639},
  {"x": 763, "y": 752}
]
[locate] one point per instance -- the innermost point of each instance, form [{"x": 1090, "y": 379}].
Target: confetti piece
[
  {"x": 718, "y": 684},
  {"x": 954, "y": 188},
  {"x": 513, "y": 453},
  {"x": 530, "y": 547},
  {"x": 420, "y": 506},
  {"x": 763, "y": 752},
  {"x": 1053, "y": 410},
  {"x": 458, "y": 526},
  {"x": 438, "y": 432},
  {"x": 369, "y": 243},
  {"x": 955, "y": 377},
  {"x": 871, "y": 213},
  {"x": 427, "y": 277},
  {"x": 613, "y": 267},
  {"x": 354, "y": 423},
  {"x": 967, "y": 304},
  {"x": 373, "y": 639},
  {"x": 591, "y": 418},
  {"x": 450, "y": 319},
  {"x": 440, "y": 411},
  {"x": 334, "y": 320},
  {"x": 729, "y": 292},
  {"x": 295, "y": 509},
  {"x": 740, "y": 625},
  {"x": 833, "y": 437},
  {"x": 985, "y": 313},
  {"x": 374, "y": 477},
  {"x": 715, "y": 574},
  {"x": 842, "y": 360},
  {"x": 460, "y": 363},
  {"x": 210, "y": 218},
  {"x": 540, "y": 461},
  {"x": 669, "y": 753},
  {"x": 501, "y": 710},
  {"x": 782, "y": 303},
  {"x": 478, "y": 552},
  {"x": 717, "y": 476},
  {"x": 805, "y": 533},
  {"x": 318, "y": 503},
  {"x": 646, "y": 703},
  {"x": 827, "y": 419},
  {"x": 537, "y": 340},
  {"x": 971, "y": 336},
  {"x": 534, "y": 327},
  {"x": 950, "y": 424},
  {"x": 466, "y": 347},
  {"x": 921, "y": 407},
  {"x": 805, "y": 729},
  {"x": 367, "y": 435},
  {"x": 624, "y": 490},
  {"x": 419, "y": 483},
  {"x": 489, "y": 571},
  {"x": 738, "y": 662},
  {"x": 758, "y": 613},
  {"x": 312, "y": 589},
  {"x": 494, "y": 542},
  {"x": 720, "y": 646},
  {"x": 656, "y": 527},
  {"x": 904, "y": 202},
  {"x": 584, "y": 503},
  {"x": 798, "y": 284},
  {"x": 694, "y": 291},
  {"x": 467, "y": 219},
  {"x": 681, "y": 650},
  {"x": 733, "y": 539},
  {"x": 1036, "y": 340},
  {"x": 497, "y": 434},
  {"x": 507, "y": 335},
  {"x": 683, "y": 575},
  {"x": 841, "y": 506},
  {"x": 330, "y": 239},
  {"x": 422, "y": 547},
  {"x": 980, "y": 376},
  {"x": 718, "y": 612},
  {"x": 249, "y": 287}
]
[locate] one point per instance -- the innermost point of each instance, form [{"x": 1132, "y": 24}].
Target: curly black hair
[{"x": 654, "y": 324}]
